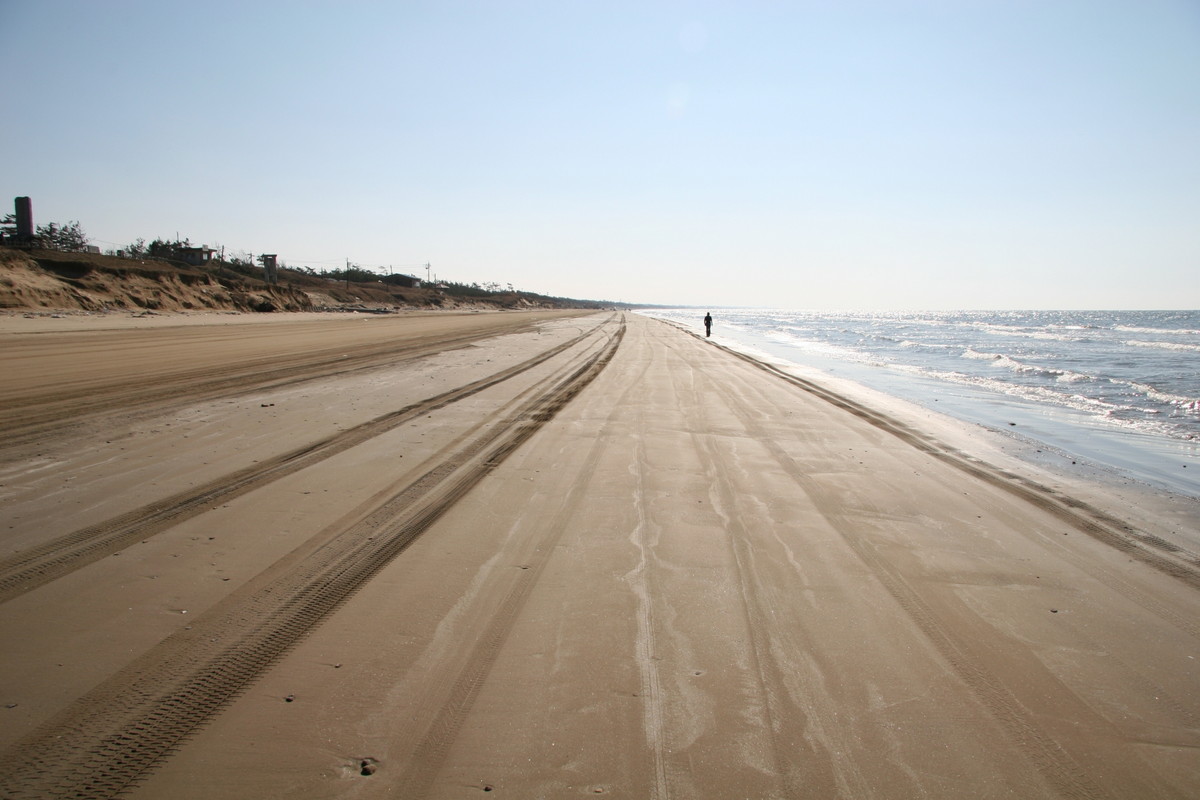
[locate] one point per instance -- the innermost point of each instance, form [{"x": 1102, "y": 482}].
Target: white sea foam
[
  {"x": 1029, "y": 333},
  {"x": 1156, "y": 331},
  {"x": 816, "y": 347},
  {"x": 1034, "y": 369},
  {"x": 1181, "y": 346}
]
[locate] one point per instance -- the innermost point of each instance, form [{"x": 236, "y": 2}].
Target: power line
[{"x": 316, "y": 260}]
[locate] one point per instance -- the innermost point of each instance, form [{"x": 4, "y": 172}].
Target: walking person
[{"x": 707, "y": 325}]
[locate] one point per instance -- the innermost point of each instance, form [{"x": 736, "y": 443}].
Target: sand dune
[{"x": 545, "y": 555}]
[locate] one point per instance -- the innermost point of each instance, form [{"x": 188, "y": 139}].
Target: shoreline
[
  {"x": 1066, "y": 442},
  {"x": 1159, "y": 508}
]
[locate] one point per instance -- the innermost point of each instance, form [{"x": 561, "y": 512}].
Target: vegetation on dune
[
  {"x": 69, "y": 237},
  {"x": 236, "y": 279}
]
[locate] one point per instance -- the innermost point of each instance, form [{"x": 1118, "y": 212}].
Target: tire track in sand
[
  {"x": 32, "y": 418},
  {"x": 1150, "y": 550},
  {"x": 121, "y": 730},
  {"x": 1164, "y": 557},
  {"x": 786, "y": 725},
  {"x": 1056, "y": 765},
  {"x": 454, "y": 704},
  {"x": 44, "y": 563},
  {"x": 653, "y": 696}
]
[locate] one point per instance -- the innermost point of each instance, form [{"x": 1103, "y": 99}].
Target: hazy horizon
[{"x": 834, "y": 156}]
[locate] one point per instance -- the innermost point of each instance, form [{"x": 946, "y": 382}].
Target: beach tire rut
[
  {"x": 1006, "y": 704},
  {"x": 36, "y": 566},
  {"x": 107, "y": 740},
  {"x": 1150, "y": 550},
  {"x": 27, "y": 420}
]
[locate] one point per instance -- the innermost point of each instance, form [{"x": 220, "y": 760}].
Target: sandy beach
[{"x": 554, "y": 554}]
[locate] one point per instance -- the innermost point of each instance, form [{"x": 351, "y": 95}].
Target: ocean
[{"x": 1119, "y": 390}]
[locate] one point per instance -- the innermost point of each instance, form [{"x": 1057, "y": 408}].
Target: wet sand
[{"x": 550, "y": 556}]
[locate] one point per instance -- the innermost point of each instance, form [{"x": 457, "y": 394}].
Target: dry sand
[{"x": 544, "y": 555}]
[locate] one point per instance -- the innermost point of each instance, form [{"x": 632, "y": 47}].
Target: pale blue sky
[{"x": 936, "y": 154}]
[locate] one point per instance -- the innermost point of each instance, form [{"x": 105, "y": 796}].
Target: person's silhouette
[{"x": 708, "y": 324}]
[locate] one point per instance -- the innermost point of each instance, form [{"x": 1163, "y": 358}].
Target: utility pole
[
  {"x": 347, "y": 274},
  {"x": 427, "y": 278}
]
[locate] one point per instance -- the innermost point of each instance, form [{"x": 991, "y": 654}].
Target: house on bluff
[{"x": 196, "y": 256}]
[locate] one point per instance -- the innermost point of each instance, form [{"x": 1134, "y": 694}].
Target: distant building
[
  {"x": 196, "y": 256},
  {"x": 24, "y": 218},
  {"x": 22, "y": 234},
  {"x": 270, "y": 262}
]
